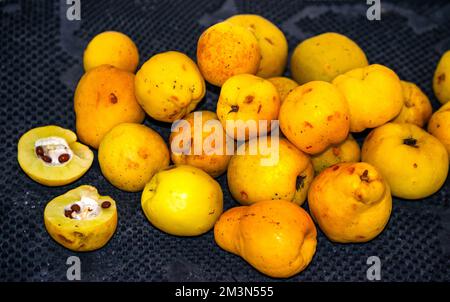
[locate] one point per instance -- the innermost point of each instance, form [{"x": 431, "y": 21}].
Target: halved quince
[
  {"x": 81, "y": 219},
  {"x": 52, "y": 156}
]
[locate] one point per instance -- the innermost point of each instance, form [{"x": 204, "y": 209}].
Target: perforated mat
[{"x": 41, "y": 62}]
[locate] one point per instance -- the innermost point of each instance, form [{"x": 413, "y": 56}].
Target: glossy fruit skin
[
  {"x": 53, "y": 175},
  {"x": 347, "y": 206},
  {"x": 346, "y": 151},
  {"x": 413, "y": 169},
  {"x": 441, "y": 79},
  {"x": 287, "y": 176},
  {"x": 111, "y": 48},
  {"x": 439, "y": 126},
  {"x": 416, "y": 108},
  {"x": 374, "y": 95},
  {"x": 246, "y": 97},
  {"x": 314, "y": 116},
  {"x": 104, "y": 98},
  {"x": 80, "y": 235},
  {"x": 271, "y": 40},
  {"x": 323, "y": 57},
  {"x": 230, "y": 43},
  {"x": 283, "y": 85},
  {"x": 130, "y": 154},
  {"x": 169, "y": 86},
  {"x": 182, "y": 200},
  {"x": 276, "y": 237},
  {"x": 213, "y": 164}
]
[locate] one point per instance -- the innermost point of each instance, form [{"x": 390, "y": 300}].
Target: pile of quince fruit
[{"x": 334, "y": 92}]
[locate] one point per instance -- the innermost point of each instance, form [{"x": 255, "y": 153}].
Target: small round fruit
[
  {"x": 315, "y": 116},
  {"x": 439, "y": 126},
  {"x": 276, "y": 237},
  {"x": 205, "y": 133},
  {"x": 81, "y": 220},
  {"x": 246, "y": 100},
  {"x": 130, "y": 154},
  {"x": 374, "y": 95},
  {"x": 278, "y": 171},
  {"x": 413, "y": 162},
  {"x": 441, "y": 79},
  {"x": 112, "y": 48},
  {"x": 182, "y": 201},
  {"x": 169, "y": 86},
  {"x": 225, "y": 50},
  {"x": 52, "y": 156},
  {"x": 103, "y": 99},
  {"x": 344, "y": 152},
  {"x": 350, "y": 202},
  {"x": 284, "y": 86},
  {"x": 271, "y": 41},
  {"x": 323, "y": 57},
  {"x": 416, "y": 106}
]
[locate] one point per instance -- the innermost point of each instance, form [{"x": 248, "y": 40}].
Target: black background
[{"x": 41, "y": 62}]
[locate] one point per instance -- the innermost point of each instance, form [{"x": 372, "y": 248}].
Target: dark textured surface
[{"x": 41, "y": 62}]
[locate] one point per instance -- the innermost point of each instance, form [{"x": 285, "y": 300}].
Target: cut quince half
[
  {"x": 81, "y": 220},
  {"x": 52, "y": 156}
]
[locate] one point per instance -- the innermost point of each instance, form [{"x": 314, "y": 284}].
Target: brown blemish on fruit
[
  {"x": 212, "y": 212},
  {"x": 234, "y": 108},
  {"x": 329, "y": 118},
  {"x": 351, "y": 170},
  {"x": 365, "y": 176},
  {"x": 259, "y": 108},
  {"x": 184, "y": 67},
  {"x": 244, "y": 195},
  {"x": 78, "y": 234},
  {"x": 249, "y": 99},
  {"x": 269, "y": 41},
  {"x": 308, "y": 147},
  {"x": 106, "y": 204},
  {"x": 335, "y": 168},
  {"x": 63, "y": 158},
  {"x": 132, "y": 165},
  {"x": 412, "y": 142},
  {"x": 415, "y": 165},
  {"x": 308, "y": 90},
  {"x": 441, "y": 78},
  {"x": 46, "y": 159},
  {"x": 113, "y": 98},
  {"x": 174, "y": 98}
]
